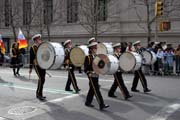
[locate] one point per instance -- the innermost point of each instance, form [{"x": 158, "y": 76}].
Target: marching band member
[
  {"x": 138, "y": 73},
  {"x": 93, "y": 79},
  {"x": 93, "y": 39},
  {"x": 70, "y": 67},
  {"x": 41, "y": 73},
  {"x": 118, "y": 80}
]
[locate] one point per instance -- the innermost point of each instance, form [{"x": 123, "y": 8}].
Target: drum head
[
  {"x": 77, "y": 55},
  {"x": 127, "y": 62},
  {"x": 104, "y": 48},
  {"x": 47, "y": 55},
  {"x": 105, "y": 64},
  {"x": 148, "y": 57}
]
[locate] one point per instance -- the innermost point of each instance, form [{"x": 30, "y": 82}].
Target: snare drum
[
  {"x": 50, "y": 55},
  {"x": 105, "y": 64},
  {"x": 130, "y": 61},
  {"x": 149, "y": 56},
  {"x": 104, "y": 48},
  {"x": 78, "y": 54}
]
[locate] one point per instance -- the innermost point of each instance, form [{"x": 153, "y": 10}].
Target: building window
[
  {"x": 72, "y": 11},
  {"x": 48, "y": 11},
  {"x": 102, "y": 10},
  {"x": 26, "y": 12},
  {"x": 8, "y": 12}
]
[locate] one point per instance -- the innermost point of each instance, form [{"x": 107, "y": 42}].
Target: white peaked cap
[
  {"x": 66, "y": 42},
  {"x": 91, "y": 39},
  {"x": 137, "y": 42},
  {"x": 36, "y": 36},
  {"x": 116, "y": 45},
  {"x": 92, "y": 44}
]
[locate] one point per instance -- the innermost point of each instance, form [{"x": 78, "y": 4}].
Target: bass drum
[
  {"x": 130, "y": 61},
  {"x": 78, "y": 54},
  {"x": 150, "y": 57},
  {"x": 50, "y": 55},
  {"x": 104, "y": 48},
  {"x": 105, "y": 64}
]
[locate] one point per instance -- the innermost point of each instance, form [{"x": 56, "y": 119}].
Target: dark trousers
[
  {"x": 139, "y": 75},
  {"x": 118, "y": 82},
  {"x": 41, "y": 74},
  {"x": 94, "y": 90},
  {"x": 71, "y": 79}
]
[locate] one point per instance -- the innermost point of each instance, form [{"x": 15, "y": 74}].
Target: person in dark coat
[
  {"x": 94, "y": 88},
  {"x": 118, "y": 79},
  {"x": 138, "y": 74},
  {"x": 70, "y": 68},
  {"x": 41, "y": 73}
]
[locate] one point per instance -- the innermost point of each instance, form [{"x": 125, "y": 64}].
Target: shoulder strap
[
  {"x": 89, "y": 59},
  {"x": 33, "y": 47}
]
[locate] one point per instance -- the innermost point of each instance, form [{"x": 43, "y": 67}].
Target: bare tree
[
  {"x": 48, "y": 13},
  {"x": 29, "y": 13},
  {"x": 93, "y": 16},
  {"x": 170, "y": 8},
  {"x": 12, "y": 15}
]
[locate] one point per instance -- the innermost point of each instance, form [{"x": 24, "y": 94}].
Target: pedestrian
[
  {"x": 70, "y": 68},
  {"x": 41, "y": 73},
  {"x": 1, "y": 56},
  {"x": 138, "y": 74},
  {"x": 177, "y": 59},
  {"x": 168, "y": 60},
  {"x": 118, "y": 79},
  {"x": 15, "y": 58},
  {"x": 94, "y": 88},
  {"x": 160, "y": 58}
]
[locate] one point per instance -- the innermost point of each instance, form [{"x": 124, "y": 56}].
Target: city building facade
[{"x": 107, "y": 20}]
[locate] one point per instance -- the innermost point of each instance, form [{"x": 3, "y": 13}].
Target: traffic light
[
  {"x": 164, "y": 26},
  {"x": 158, "y": 8},
  {"x": 161, "y": 27}
]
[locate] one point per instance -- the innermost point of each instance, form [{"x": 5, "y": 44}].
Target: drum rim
[
  {"x": 150, "y": 54},
  {"x": 109, "y": 72},
  {"x": 133, "y": 58},
  {"x": 53, "y": 51},
  {"x": 102, "y": 43},
  {"x": 54, "y": 56}
]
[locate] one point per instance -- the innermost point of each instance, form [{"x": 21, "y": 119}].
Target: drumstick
[
  {"x": 48, "y": 74},
  {"x": 29, "y": 76}
]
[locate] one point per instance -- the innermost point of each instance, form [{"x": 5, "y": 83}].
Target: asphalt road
[{"x": 18, "y": 101}]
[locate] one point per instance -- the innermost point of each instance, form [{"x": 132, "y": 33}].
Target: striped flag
[
  {"x": 3, "y": 50},
  {"x": 22, "y": 40}
]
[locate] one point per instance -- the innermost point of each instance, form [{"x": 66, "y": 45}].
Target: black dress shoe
[
  {"x": 77, "y": 91},
  {"x": 41, "y": 98},
  {"x": 113, "y": 96},
  {"x": 18, "y": 74},
  {"x": 89, "y": 105},
  {"x": 44, "y": 97},
  {"x": 127, "y": 97},
  {"x": 68, "y": 90},
  {"x": 147, "y": 90},
  {"x": 135, "y": 90},
  {"x": 103, "y": 106}
]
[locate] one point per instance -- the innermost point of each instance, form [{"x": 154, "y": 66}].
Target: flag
[
  {"x": 3, "y": 50},
  {"x": 22, "y": 40}
]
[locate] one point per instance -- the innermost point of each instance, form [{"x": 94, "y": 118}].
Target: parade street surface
[{"x": 18, "y": 100}]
